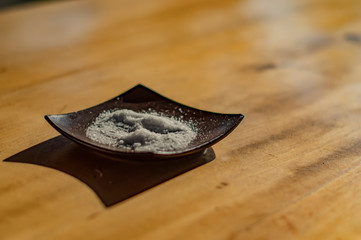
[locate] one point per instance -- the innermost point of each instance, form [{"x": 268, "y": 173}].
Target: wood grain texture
[{"x": 291, "y": 170}]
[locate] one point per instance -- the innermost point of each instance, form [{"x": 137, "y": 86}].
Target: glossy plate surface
[{"x": 212, "y": 127}]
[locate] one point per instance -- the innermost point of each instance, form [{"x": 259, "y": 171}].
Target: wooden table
[{"x": 291, "y": 170}]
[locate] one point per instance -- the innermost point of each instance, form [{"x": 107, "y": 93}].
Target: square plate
[{"x": 211, "y": 127}]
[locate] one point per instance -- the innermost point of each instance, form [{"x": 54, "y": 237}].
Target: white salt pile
[{"x": 141, "y": 132}]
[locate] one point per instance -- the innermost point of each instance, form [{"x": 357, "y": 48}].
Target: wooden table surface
[{"x": 290, "y": 170}]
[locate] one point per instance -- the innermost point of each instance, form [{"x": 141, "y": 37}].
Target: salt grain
[{"x": 141, "y": 131}]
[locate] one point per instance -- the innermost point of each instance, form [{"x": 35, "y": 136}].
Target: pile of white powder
[{"x": 141, "y": 132}]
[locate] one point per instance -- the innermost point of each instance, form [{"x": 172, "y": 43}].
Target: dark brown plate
[{"x": 212, "y": 127}]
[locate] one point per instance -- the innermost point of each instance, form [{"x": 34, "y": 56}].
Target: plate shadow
[{"x": 112, "y": 179}]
